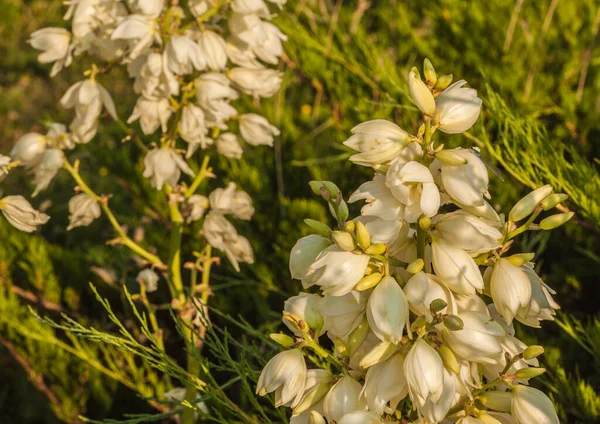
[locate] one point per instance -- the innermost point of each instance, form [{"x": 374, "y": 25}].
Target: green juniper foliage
[{"x": 71, "y": 350}]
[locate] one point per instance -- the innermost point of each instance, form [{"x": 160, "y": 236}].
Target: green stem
[
  {"x": 523, "y": 227},
  {"x": 202, "y": 173},
  {"x": 124, "y": 238}
]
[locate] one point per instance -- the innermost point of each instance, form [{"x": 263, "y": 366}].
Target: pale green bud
[
  {"x": 449, "y": 359},
  {"x": 532, "y": 352},
  {"x": 344, "y": 240},
  {"x": 415, "y": 266},
  {"x": 530, "y": 372},
  {"x": 451, "y": 157},
  {"x": 556, "y": 221},
  {"x": 376, "y": 249},
  {"x": 318, "y": 187},
  {"x": 362, "y": 235},
  {"x": 340, "y": 211},
  {"x": 379, "y": 353},
  {"x": 320, "y": 228},
  {"x": 527, "y": 204},
  {"x": 421, "y": 93},
  {"x": 369, "y": 281},
  {"x": 437, "y": 305},
  {"x": 496, "y": 400},
  {"x": 313, "y": 396},
  {"x": 553, "y": 200},
  {"x": 358, "y": 336},
  {"x": 454, "y": 323},
  {"x": 424, "y": 222},
  {"x": 283, "y": 339},
  {"x": 443, "y": 82},
  {"x": 520, "y": 258},
  {"x": 429, "y": 72}
]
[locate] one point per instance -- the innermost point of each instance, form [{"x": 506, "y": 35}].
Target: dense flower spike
[{"x": 418, "y": 294}]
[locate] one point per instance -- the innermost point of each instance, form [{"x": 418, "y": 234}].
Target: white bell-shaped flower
[
  {"x": 198, "y": 205},
  {"x": 387, "y": 311},
  {"x": 4, "y": 162},
  {"x": 51, "y": 162},
  {"x": 342, "y": 270},
  {"x": 456, "y": 268},
  {"x": 242, "y": 205},
  {"x": 164, "y": 165},
  {"x": 468, "y": 183},
  {"x": 152, "y": 113},
  {"x": 256, "y": 130},
  {"x": 378, "y": 142},
  {"x": 422, "y": 289},
  {"x": 436, "y": 410},
  {"x": 58, "y": 135},
  {"x": 183, "y": 55},
  {"x": 256, "y": 82},
  {"x": 83, "y": 210},
  {"x": 149, "y": 279},
  {"x": 221, "y": 199},
  {"x": 421, "y": 94},
  {"x": 245, "y": 7},
  {"x": 381, "y": 203},
  {"x": 21, "y": 215},
  {"x": 542, "y": 306},
  {"x": 263, "y": 38},
  {"x": 229, "y": 146},
  {"x": 140, "y": 32},
  {"x": 470, "y": 233},
  {"x": 284, "y": 374},
  {"x": 530, "y": 405},
  {"x": 343, "y": 313},
  {"x": 239, "y": 54},
  {"x": 305, "y": 307},
  {"x": 510, "y": 289},
  {"x": 385, "y": 383},
  {"x": 458, "y": 107},
  {"x": 478, "y": 340},
  {"x": 213, "y": 92},
  {"x": 214, "y": 50},
  {"x": 303, "y": 255},
  {"x": 192, "y": 129},
  {"x": 153, "y": 78},
  {"x": 360, "y": 417},
  {"x": 344, "y": 397},
  {"x": 424, "y": 371},
  {"x": 222, "y": 235},
  {"x": 55, "y": 44},
  {"x": 29, "y": 149}
]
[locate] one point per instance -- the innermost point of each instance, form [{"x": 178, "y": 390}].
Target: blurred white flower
[
  {"x": 198, "y": 205},
  {"x": 149, "y": 279},
  {"x": 153, "y": 78},
  {"x": 164, "y": 165},
  {"x": 4, "y": 161},
  {"x": 55, "y": 44},
  {"x": 256, "y": 82},
  {"x": 242, "y": 205},
  {"x": 140, "y": 31},
  {"x": 192, "y": 129},
  {"x": 221, "y": 234},
  {"x": 263, "y": 38},
  {"x": 20, "y": 214},
  {"x": 229, "y": 146},
  {"x": 183, "y": 55},
  {"x": 285, "y": 374},
  {"x": 214, "y": 50},
  {"x": 213, "y": 93},
  {"x": 458, "y": 107},
  {"x": 51, "y": 162},
  {"x": 83, "y": 209},
  {"x": 251, "y": 6},
  {"x": 256, "y": 130},
  {"x": 152, "y": 113},
  {"x": 29, "y": 149}
]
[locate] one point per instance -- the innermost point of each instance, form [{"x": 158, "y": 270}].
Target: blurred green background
[{"x": 536, "y": 65}]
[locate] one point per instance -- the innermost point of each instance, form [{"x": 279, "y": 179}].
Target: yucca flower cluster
[
  {"x": 188, "y": 65},
  {"x": 417, "y": 296}
]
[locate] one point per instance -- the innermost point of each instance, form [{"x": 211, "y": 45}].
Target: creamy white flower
[
  {"x": 342, "y": 270},
  {"x": 29, "y": 149},
  {"x": 478, "y": 341},
  {"x": 221, "y": 199},
  {"x": 285, "y": 374},
  {"x": 542, "y": 306},
  {"x": 412, "y": 184},
  {"x": 422, "y": 289},
  {"x": 239, "y": 54},
  {"x": 55, "y": 44},
  {"x": 344, "y": 397},
  {"x": 152, "y": 113},
  {"x": 458, "y": 107},
  {"x": 510, "y": 289},
  {"x": 199, "y": 7},
  {"x": 164, "y": 165},
  {"x": 192, "y": 129},
  {"x": 456, "y": 268},
  {"x": 149, "y": 279},
  {"x": 381, "y": 203},
  {"x": 148, "y": 7},
  {"x": 256, "y": 130},
  {"x": 251, "y": 6},
  {"x": 436, "y": 410},
  {"x": 530, "y": 406},
  {"x": 421, "y": 94},
  {"x": 153, "y": 78},
  {"x": 140, "y": 31},
  {"x": 305, "y": 307},
  {"x": 319, "y": 381},
  {"x": 221, "y": 234},
  {"x": 256, "y": 82},
  {"x": 213, "y": 49},
  {"x": 468, "y": 183},
  {"x": 242, "y": 205},
  {"x": 51, "y": 162},
  {"x": 229, "y": 146},
  {"x": 343, "y": 313},
  {"x": 360, "y": 417},
  {"x": 58, "y": 135},
  {"x": 387, "y": 311},
  {"x": 263, "y": 38},
  {"x": 198, "y": 205},
  {"x": 83, "y": 209},
  {"x": 424, "y": 373},
  {"x": 468, "y": 232},
  {"x": 378, "y": 141},
  {"x": 385, "y": 383},
  {"x": 183, "y": 55},
  {"x": 213, "y": 93},
  {"x": 303, "y": 255},
  {"x": 20, "y": 214},
  {"x": 4, "y": 162}
]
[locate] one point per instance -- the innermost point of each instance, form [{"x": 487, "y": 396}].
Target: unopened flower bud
[
  {"x": 369, "y": 281},
  {"x": 331, "y": 188},
  {"x": 527, "y": 204},
  {"x": 283, "y": 339},
  {"x": 437, "y": 305},
  {"x": 520, "y": 258},
  {"x": 320, "y": 228},
  {"x": 553, "y": 200},
  {"x": 340, "y": 211},
  {"x": 531, "y": 372},
  {"x": 316, "y": 418},
  {"x": 344, "y": 240},
  {"x": 421, "y": 93},
  {"x": 362, "y": 235},
  {"x": 532, "y": 352},
  {"x": 376, "y": 249},
  {"x": 350, "y": 226},
  {"x": 496, "y": 400},
  {"x": 429, "y": 72},
  {"x": 424, "y": 222},
  {"x": 453, "y": 323},
  {"x": 21, "y": 215},
  {"x": 379, "y": 353},
  {"x": 357, "y": 337},
  {"x": 449, "y": 359},
  {"x": 443, "y": 82},
  {"x": 415, "y": 266},
  {"x": 556, "y": 221},
  {"x": 450, "y": 157}
]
